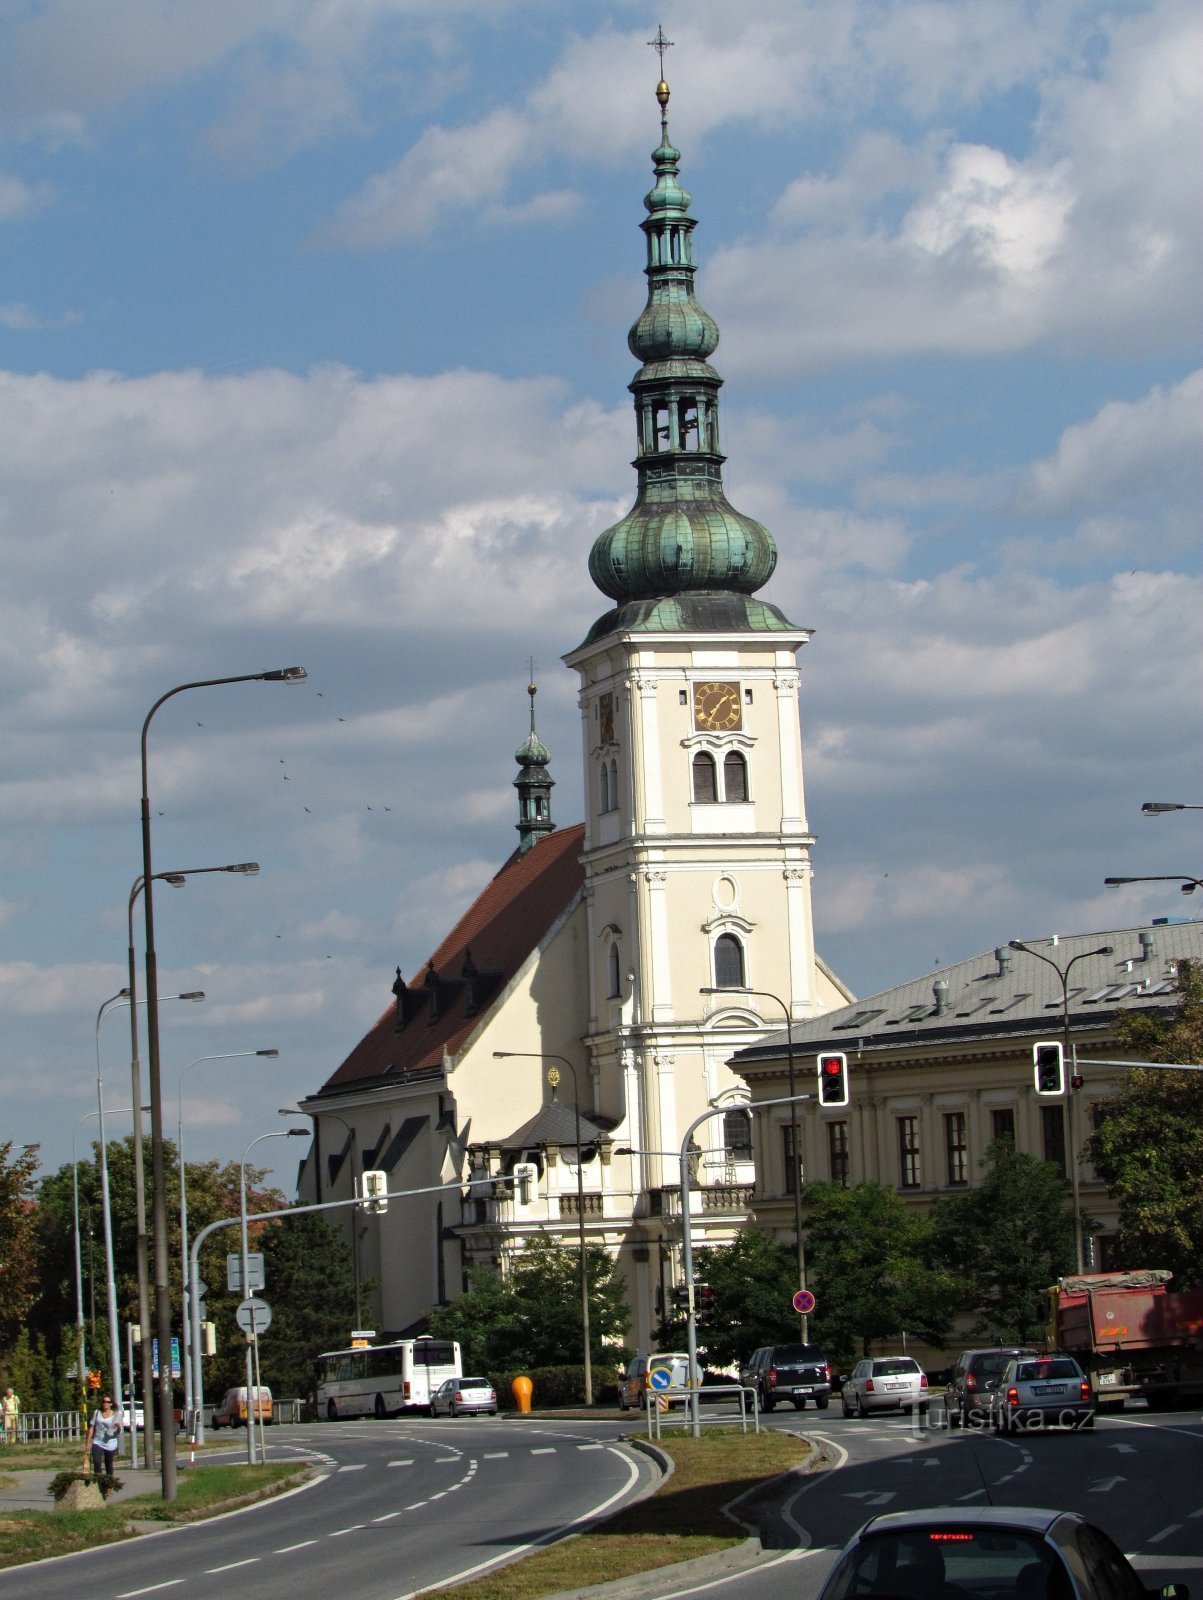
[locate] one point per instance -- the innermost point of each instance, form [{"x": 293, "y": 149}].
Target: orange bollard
[{"x": 522, "y": 1388}]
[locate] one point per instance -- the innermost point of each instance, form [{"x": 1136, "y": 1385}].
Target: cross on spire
[{"x": 660, "y": 44}]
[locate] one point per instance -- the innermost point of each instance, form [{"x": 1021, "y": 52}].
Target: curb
[{"x": 727, "y": 1562}]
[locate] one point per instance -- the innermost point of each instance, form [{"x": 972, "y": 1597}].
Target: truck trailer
[{"x": 1131, "y": 1335}]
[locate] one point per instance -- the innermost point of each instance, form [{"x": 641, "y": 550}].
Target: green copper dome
[{"x": 682, "y": 537}]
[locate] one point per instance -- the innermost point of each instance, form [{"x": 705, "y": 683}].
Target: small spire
[{"x": 534, "y": 783}]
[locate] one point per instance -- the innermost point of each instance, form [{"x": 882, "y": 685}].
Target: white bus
[{"x": 383, "y": 1379}]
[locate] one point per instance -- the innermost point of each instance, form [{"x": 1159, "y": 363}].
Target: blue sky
[{"x": 313, "y": 349}]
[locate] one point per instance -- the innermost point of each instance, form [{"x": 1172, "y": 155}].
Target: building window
[
  {"x": 735, "y": 778},
  {"x": 614, "y": 786},
  {"x": 837, "y": 1152},
  {"x": 728, "y": 962},
  {"x": 956, "y": 1149},
  {"x": 1052, "y": 1129},
  {"x": 603, "y": 783},
  {"x": 787, "y": 1151},
  {"x": 737, "y": 1135},
  {"x": 615, "y": 975},
  {"x": 1002, "y": 1123},
  {"x": 908, "y": 1153},
  {"x": 705, "y": 779}
]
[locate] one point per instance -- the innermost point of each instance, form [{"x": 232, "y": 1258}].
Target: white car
[
  {"x": 885, "y": 1383},
  {"x": 460, "y": 1396}
]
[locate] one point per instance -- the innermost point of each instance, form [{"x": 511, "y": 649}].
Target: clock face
[
  {"x": 717, "y": 707},
  {"x": 605, "y": 717}
]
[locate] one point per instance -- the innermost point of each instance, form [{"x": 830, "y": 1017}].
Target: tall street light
[
  {"x": 529, "y": 1055},
  {"x": 158, "y": 1179},
  {"x": 296, "y": 1111},
  {"x": 109, "y": 1274},
  {"x": 185, "y": 1284},
  {"x": 1068, "y": 1054},
  {"x": 1154, "y": 808},
  {"x": 795, "y": 1152},
  {"x": 252, "y": 1338},
  {"x": 176, "y": 880},
  {"x": 1189, "y": 884}
]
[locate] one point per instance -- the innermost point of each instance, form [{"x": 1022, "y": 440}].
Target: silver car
[
  {"x": 458, "y": 1397},
  {"x": 885, "y": 1383},
  {"x": 1039, "y": 1392}
]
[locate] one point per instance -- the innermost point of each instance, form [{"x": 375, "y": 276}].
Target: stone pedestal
[{"x": 81, "y": 1497}]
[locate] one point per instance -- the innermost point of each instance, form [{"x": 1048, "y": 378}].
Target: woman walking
[{"x": 104, "y": 1435}]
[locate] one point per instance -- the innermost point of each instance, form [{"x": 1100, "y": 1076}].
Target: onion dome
[{"x": 534, "y": 784}]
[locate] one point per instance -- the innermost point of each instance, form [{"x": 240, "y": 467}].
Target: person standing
[
  {"x": 10, "y": 1406},
  {"x": 104, "y": 1436}
]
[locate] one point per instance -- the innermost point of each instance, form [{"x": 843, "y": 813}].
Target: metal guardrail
[
  {"x": 660, "y": 1403},
  {"x": 49, "y": 1426},
  {"x": 288, "y": 1410}
]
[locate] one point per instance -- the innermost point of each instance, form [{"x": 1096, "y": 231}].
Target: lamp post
[
  {"x": 176, "y": 880},
  {"x": 109, "y": 1274},
  {"x": 1068, "y": 1053},
  {"x": 185, "y": 1284},
  {"x": 252, "y": 1338},
  {"x": 296, "y": 1111},
  {"x": 1154, "y": 808},
  {"x": 795, "y": 1152},
  {"x": 529, "y": 1055},
  {"x": 158, "y": 1178},
  {"x": 1189, "y": 884}
]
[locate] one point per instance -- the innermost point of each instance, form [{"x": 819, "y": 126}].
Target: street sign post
[
  {"x": 254, "y": 1271},
  {"x": 254, "y": 1316}
]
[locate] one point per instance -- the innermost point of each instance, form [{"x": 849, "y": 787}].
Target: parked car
[
  {"x": 234, "y": 1410},
  {"x": 1042, "y": 1392},
  {"x": 794, "y": 1372},
  {"x": 989, "y": 1550},
  {"x": 885, "y": 1383},
  {"x": 967, "y": 1395},
  {"x": 458, "y": 1397},
  {"x": 636, "y": 1380}
]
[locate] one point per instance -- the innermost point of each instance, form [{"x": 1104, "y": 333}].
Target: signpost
[
  {"x": 254, "y": 1316},
  {"x": 803, "y": 1302},
  {"x": 254, "y": 1272}
]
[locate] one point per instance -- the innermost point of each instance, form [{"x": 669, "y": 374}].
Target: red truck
[{"x": 1132, "y": 1335}]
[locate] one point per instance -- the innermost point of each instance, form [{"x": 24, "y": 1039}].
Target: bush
[{"x": 62, "y": 1481}]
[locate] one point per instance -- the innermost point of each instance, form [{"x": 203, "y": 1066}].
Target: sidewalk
[{"x": 30, "y": 1491}]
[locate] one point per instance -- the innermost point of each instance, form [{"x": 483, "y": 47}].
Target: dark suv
[
  {"x": 797, "y": 1372},
  {"x": 967, "y": 1395}
]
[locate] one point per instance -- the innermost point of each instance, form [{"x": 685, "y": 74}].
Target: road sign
[
  {"x": 660, "y": 1378},
  {"x": 804, "y": 1302},
  {"x": 200, "y": 1287},
  {"x": 175, "y": 1358},
  {"x": 254, "y": 1316},
  {"x": 254, "y": 1271}
]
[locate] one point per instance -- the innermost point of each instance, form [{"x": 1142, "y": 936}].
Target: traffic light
[
  {"x": 375, "y": 1191},
  {"x": 707, "y": 1304},
  {"x": 208, "y": 1338},
  {"x": 681, "y": 1298},
  {"x": 525, "y": 1173},
  {"x": 832, "y": 1072},
  {"x": 1048, "y": 1067},
  {"x": 94, "y": 1380},
  {"x": 1076, "y": 1081}
]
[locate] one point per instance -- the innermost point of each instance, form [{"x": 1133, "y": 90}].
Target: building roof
[
  {"x": 470, "y": 971},
  {"x": 1009, "y": 991}
]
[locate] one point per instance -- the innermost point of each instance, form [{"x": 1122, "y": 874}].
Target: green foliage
[
  {"x": 531, "y": 1315},
  {"x": 311, "y": 1290},
  {"x": 1148, "y": 1148},
  {"x": 62, "y": 1481},
  {"x": 866, "y": 1261},
  {"x": 1005, "y": 1241},
  {"x": 754, "y": 1280},
  {"x": 18, "y": 1256}
]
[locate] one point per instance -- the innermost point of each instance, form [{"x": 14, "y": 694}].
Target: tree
[
  {"x": 753, "y": 1280},
  {"x": 1005, "y": 1241},
  {"x": 310, "y": 1287},
  {"x": 18, "y": 1256},
  {"x": 867, "y": 1265},
  {"x": 1148, "y": 1146}
]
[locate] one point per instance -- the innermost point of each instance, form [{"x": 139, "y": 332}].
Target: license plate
[
  {"x": 1048, "y": 1388},
  {"x": 1108, "y": 1377}
]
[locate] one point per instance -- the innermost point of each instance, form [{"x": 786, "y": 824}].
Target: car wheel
[
  {"x": 331, "y": 1411},
  {"x": 380, "y": 1408},
  {"x": 860, "y": 1408},
  {"x": 767, "y": 1403},
  {"x": 215, "y": 1425},
  {"x": 964, "y": 1415},
  {"x": 451, "y": 1411},
  {"x": 434, "y": 1410},
  {"x": 492, "y": 1411},
  {"x": 821, "y": 1402},
  {"x": 846, "y": 1407},
  {"x": 799, "y": 1405},
  {"x": 923, "y": 1408},
  {"x": 622, "y": 1401}
]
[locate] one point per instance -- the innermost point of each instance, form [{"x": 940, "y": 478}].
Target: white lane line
[
  {"x": 447, "y": 1461},
  {"x": 356, "y": 1466},
  {"x": 1165, "y": 1533},
  {"x": 338, "y": 1532},
  {"x": 387, "y": 1517},
  {"x": 229, "y": 1567},
  {"x": 417, "y": 1505},
  {"x": 440, "y": 1496},
  {"x": 496, "y": 1455},
  {"x": 544, "y": 1450},
  {"x": 168, "y": 1583},
  {"x": 287, "y": 1549},
  {"x": 591, "y": 1447},
  {"x": 408, "y": 1463}
]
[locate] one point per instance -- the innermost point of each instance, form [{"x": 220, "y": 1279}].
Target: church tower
[{"x": 697, "y": 850}]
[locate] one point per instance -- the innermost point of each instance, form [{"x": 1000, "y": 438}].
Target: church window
[
  {"x": 705, "y": 779},
  {"x": 661, "y": 427},
  {"x": 735, "y": 777},
  {"x": 614, "y": 786},
  {"x": 728, "y": 962},
  {"x": 603, "y": 781},
  {"x": 615, "y": 974},
  {"x": 687, "y": 423},
  {"x": 737, "y": 1134}
]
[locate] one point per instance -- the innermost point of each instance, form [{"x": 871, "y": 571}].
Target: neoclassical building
[{"x": 589, "y": 951}]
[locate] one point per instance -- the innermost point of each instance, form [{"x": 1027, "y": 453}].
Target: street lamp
[
  {"x": 1189, "y": 884},
  {"x": 176, "y": 880},
  {"x": 158, "y": 1179},
  {"x": 795, "y": 1152},
  {"x": 1154, "y": 808},
  {"x": 553, "y": 1077},
  {"x": 109, "y": 1275},
  {"x": 252, "y": 1338},
  {"x": 185, "y": 1285},
  {"x": 1070, "y": 1053},
  {"x": 296, "y": 1111}
]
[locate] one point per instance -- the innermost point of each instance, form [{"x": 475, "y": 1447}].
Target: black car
[
  {"x": 967, "y": 1396},
  {"x": 796, "y": 1372}
]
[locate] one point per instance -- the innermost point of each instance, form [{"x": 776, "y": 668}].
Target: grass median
[
  {"x": 34, "y": 1535},
  {"x": 683, "y": 1520}
]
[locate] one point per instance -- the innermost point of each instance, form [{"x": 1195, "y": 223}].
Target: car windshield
[
  {"x": 992, "y": 1364},
  {"x": 915, "y": 1564},
  {"x": 891, "y": 1369},
  {"x": 1037, "y": 1371}
]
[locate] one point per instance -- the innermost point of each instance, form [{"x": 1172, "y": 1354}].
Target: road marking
[
  {"x": 249, "y": 1562},
  {"x": 408, "y": 1463},
  {"x": 495, "y": 1455},
  {"x": 1125, "y": 1449},
  {"x": 356, "y": 1466},
  {"x": 447, "y": 1461},
  {"x": 289, "y": 1548},
  {"x": 1105, "y": 1484},
  {"x": 338, "y": 1532},
  {"x": 387, "y": 1517},
  {"x": 417, "y": 1505},
  {"x": 544, "y": 1450},
  {"x": 591, "y": 1447},
  {"x": 441, "y": 1495},
  {"x": 1165, "y": 1533},
  {"x": 168, "y": 1583}
]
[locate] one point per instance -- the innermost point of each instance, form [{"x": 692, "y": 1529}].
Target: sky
[{"x": 313, "y": 323}]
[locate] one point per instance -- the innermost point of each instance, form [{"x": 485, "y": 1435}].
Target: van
[
  {"x": 637, "y": 1379},
  {"x": 233, "y": 1410}
]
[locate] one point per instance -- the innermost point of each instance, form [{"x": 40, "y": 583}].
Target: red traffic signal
[{"x": 832, "y": 1072}]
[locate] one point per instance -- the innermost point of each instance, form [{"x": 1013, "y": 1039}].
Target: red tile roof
[{"x": 499, "y": 930}]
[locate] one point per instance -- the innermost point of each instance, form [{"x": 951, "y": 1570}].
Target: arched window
[
  {"x": 705, "y": 779},
  {"x": 735, "y": 777},
  {"x": 728, "y": 962},
  {"x": 603, "y": 784},
  {"x": 614, "y": 786},
  {"x": 615, "y": 975}
]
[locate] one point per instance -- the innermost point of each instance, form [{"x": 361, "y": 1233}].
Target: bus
[{"x": 383, "y": 1379}]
